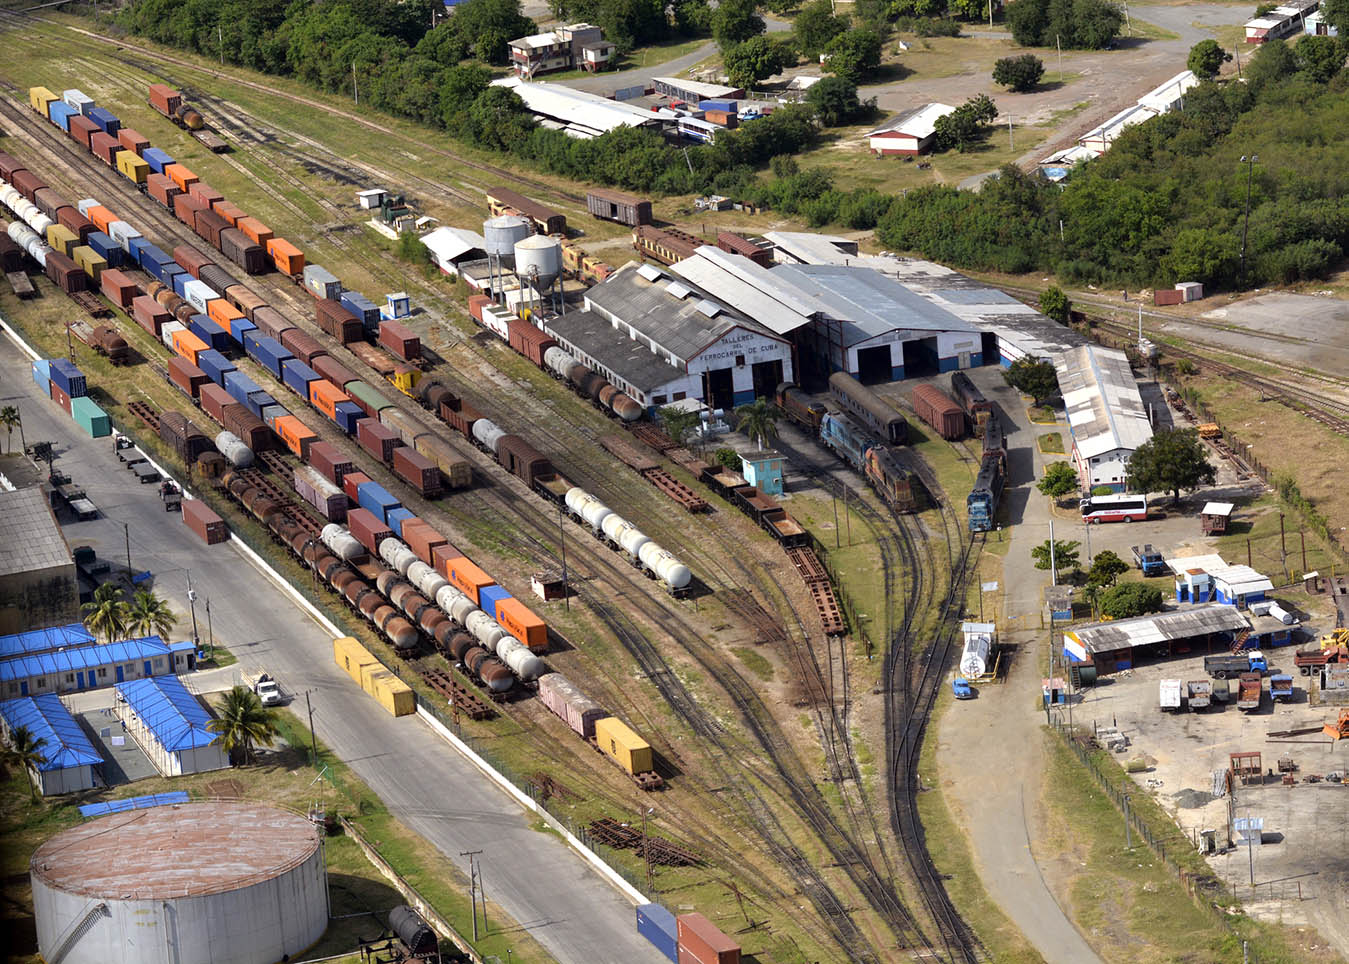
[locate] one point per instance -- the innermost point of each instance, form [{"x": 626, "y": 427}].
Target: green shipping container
[
  {"x": 362, "y": 392},
  {"x": 90, "y": 417}
]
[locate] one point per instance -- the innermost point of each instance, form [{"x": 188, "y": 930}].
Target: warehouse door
[
  {"x": 767, "y": 378},
  {"x": 873, "y": 365},
  {"x": 920, "y": 357},
  {"x": 119, "y": 673},
  {"x": 720, "y": 389},
  {"x": 989, "y": 346}
]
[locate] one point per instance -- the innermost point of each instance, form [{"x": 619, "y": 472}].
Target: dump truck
[
  {"x": 1307, "y": 660},
  {"x": 1222, "y": 691},
  {"x": 267, "y": 688},
  {"x": 1169, "y": 694},
  {"x": 1200, "y": 694},
  {"x": 1281, "y": 688},
  {"x": 1149, "y": 560},
  {"x": 1234, "y": 664},
  {"x": 1250, "y": 691},
  {"x": 960, "y": 688}
]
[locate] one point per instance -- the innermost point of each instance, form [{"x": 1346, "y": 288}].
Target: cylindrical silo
[
  {"x": 196, "y": 883},
  {"x": 538, "y": 261},
  {"x": 501, "y": 235}
]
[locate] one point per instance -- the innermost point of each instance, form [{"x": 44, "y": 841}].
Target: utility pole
[
  {"x": 562, "y": 534},
  {"x": 472, "y": 885},
  {"x": 355, "y": 94},
  {"x": 1053, "y": 565},
  {"x": 313, "y": 741},
  {"x": 1249, "y": 161},
  {"x": 1128, "y": 836},
  {"x": 1010, "y": 144},
  {"x": 210, "y": 633},
  {"x": 1058, "y": 42},
  {"x": 192, "y": 603},
  {"x": 646, "y": 851},
  {"x": 126, "y": 530},
  {"x": 220, "y": 33},
  {"x": 833, "y": 497}
]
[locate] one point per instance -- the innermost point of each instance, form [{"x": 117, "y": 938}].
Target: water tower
[
  {"x": 538, "y": 265},
  {"x": 501, "y": 235}
]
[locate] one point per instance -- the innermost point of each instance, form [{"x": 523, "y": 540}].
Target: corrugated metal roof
[
  {"x": 1157, "y": 628},
  {"x": 576, "y": 107},
  {"x": 47, "y": 718},
  {"x": 1217, "y": 508},
  {"x": 810, "y": 248},
  {"x": 919, "y": 122},
  {"x": 44, "y": 640},
  {"x": 82, "y": 658},
  {"x": 704, "y": 91},
  {"x": 630, "y": 360},
  {"x": 869, "y": 303},
  {"x": 1100, "y": 395},
  {"x": 30, "y": 539},
  {"x": 756, "y": 292},
  {"x": 1164, "y": 95},
  {"x": 448, "y": 243},
  {"x": 172, "y": 714}
]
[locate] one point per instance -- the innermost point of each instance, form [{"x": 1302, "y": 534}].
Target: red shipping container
[
  {"x": 161, "y": 189},
  {"x": 441, "y": 556},
  {"x": 118, "y": 288},
  {"x": 367, "y": 529},
  {"x": 202, "y": 520},
  {"x": 165, "y": 99},
  {"x": 132, "y": 140},
  {"x": 187, "y": 376},
  {"x": 1168, "y": 296},
  {"x": 150, "y": 314},
  {"x": 205, "y": 194},
  {"x": 104, "y": 147},
  {"x": 76, "y": 223},
  {"x": 256, "y": 231},
  {"x": 351, "y": 482},
  {"x": 59, "y": 396},
  {"x": 192, "y": 259},
  {"x": 230, "y": 212},
  {"x": 376, "y": 439},
  {"x": 416, "y": 470},
  {"x": 423, "y": 539},
  {"x": 185, "y": 208},
  {"x": 330, "y": 462},
  {"x": 475, "y": 306},
  {"x": 81, "y": 129},
  {"x": 214, "y": 401},
  {"x": 398, "y": 339},
  {"x": 702, "y": 942},
  {"x": 332, "y": 370}
]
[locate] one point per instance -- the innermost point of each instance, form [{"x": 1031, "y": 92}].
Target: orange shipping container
[
  {"x": 295, "y": 434},
  {"x": 258, "y": 232},
  {"x": 287, "y": 258},
  {"x": 101, "y": 217},
  {"x": 468, "y": 577},
  {"x": 324, "y": 396},
  {"x": 180, "y": 176},
  {"x": 517, "y": 620},
  {"x": 187, "y": 344},
  {"x": 230, "y": 212},
  {"x": 222, "y": 312}
]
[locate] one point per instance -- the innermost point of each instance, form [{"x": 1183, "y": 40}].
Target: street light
[{"x": 1250, "y": 164}]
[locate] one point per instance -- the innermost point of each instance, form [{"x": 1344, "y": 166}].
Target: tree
[
  {"x": 1106, "y": 568},
  {"x": 1035, "y": 378},
  {"x": 735, "y": 21},
  {"x": 727, "y": 458},
  {"x": 1065, "y": 555},
  {"x": 815, "y": 26},
  {"x": 9, "y": 418},
  {"x": 107, "y": 613},
  {"x": 758, "y": 420},
  {"x": 965, "y": 125},
  {"x": 458, "y": 90},
  {"x": 1207, "y": 58},
  {"x": 1075, "y": 24},
  {"x": 854, "y": 55},
  {"x": 243, "y": 723},
  {"x": 25, "y": 750},
  {"x": 756, "y": 59},
  {"x": 498, "y": 118},
  {"x": 1091, "y": 593},
  {"x": 1059, "y": 479},
  {"x": 1020, "y": 74},
  {"x": 1131, "y": 599},
  {"x": 678, "y": 422},
  {"x": 1172, "y": 460},
  {"x": 1320, "y": 58},
  {"x": 1273, "y": 62},
  {"x": 149, "y": 615},
  {"x": 1055, "y": 304},
  {"x": 1336, "y": 14},
  {"x": 834, "y": 100}
]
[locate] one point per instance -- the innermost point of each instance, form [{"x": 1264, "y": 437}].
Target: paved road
[
  {"x": 998, "y": 736},
  {"x": 535, "y": 878}
]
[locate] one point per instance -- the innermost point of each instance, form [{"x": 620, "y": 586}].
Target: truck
[
  {"x": 1200, "y": 694},
  {"x": 1149, "y": 560},
  {"x": 1281, "y": 688},
  {"x": 1307, "y": 660},
  {"x": 961, "y": 689},
  {"x": 1250, "y": 691},
  {"x": 1234, "y": 664},
  {"x": 267, "y": 688},
  {"x": 1170, "y": 693}
]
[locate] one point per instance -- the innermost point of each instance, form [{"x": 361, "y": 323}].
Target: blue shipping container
[
  {"x": 68, "y": 378},
  {"x": 209, "y": 331},
  {"x": 257, "y": 401},
  {"x": 270, "y": 413},
  {"x": 106, "y": 248},
  {"x": 214, "y": 365},
  {"x": 240, "y": 327},
  {"x": 657, "y": 925},
  {"x": 251, "y": 338},
  {"x": 362, "y": 307},
  {"x": 240, "y": 386},
  {"x": 157, "y": 159},
  {"x": 297, "y": 375},
  {"x": 42, "y": 375},
  {"x": 174, "y": 270},
  {"x": 346, "y": 415},
  {"x": 152, "y": 258},
  {"x": 60, "y": 114},
  {"x": 106, "y": 120},
  {"x": 396, "y": 519},
  {"x": 134, "y": 242},
  {"x": 374, "y": 498},
  {"x": 488, "y": 598},
  {"x": 270, "y": 353},
  {"x": 178, "y": 282},
  {"x": 728, "y": 106}
]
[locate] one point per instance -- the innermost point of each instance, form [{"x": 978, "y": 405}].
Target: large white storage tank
[
  {"x": 502, "y": 234},
  {"x": 538, "y": 261},
  {"x": 199, "y": 883},
  {"x": 978, "y": 645}
]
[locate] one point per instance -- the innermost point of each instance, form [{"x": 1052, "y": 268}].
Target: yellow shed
[
  {"x": 132, "y": 167},
  {"x": 39, "y": 98},
  {"x": 392, "y": 693},
  {"x": 352, "y": 657},
  {"x": 89, "y": 260},
  {"x": 630, "y": 750},
  {"x": 62, "y": 238}
]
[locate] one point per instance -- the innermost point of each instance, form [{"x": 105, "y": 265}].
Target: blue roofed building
[
  {"x": 70, "y": 761},
  {"x": 45, "y": 640},
  {"x": 170, "y": 726},
  {"x": 88, "y": 667}
]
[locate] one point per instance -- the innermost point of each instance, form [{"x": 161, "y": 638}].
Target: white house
[
  {"x": 1106, "y": 417},
  {"x": 909, "y": 133}
]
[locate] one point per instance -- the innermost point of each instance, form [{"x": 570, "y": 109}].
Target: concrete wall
[
  {"x": 43, "y": 597},
  {"x": 259, "y": 924}
]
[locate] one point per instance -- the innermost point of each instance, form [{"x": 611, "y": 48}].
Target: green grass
[
  {"x": 755, "y": 662},
  {"x": 1051, "y": 443},
  {"x": 1042, "y": 415},
  {"x": 219, "y": 658}
]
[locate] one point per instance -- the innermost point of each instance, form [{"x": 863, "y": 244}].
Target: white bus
[{"x": 1115, "y": 508}]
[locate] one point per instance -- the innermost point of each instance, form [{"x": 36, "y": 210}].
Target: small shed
[
  {"x": 170, "y": 725},
  {"x": 764, "y": 471},
  {"x": 1059, "y": 602},
  {"x": 548, "y": 585},
  {"x": 371, "y": 200},
  {"x": 70, "y": 762},
  {"x": 397, "y": 305},
  {"x": 1215, "y": 516}
]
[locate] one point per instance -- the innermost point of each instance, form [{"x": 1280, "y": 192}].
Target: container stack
[
  {"x": 372, "y": 676},
  {"x": 65, "y": 385}
]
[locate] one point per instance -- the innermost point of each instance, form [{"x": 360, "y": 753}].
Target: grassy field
[{"x": 1051, "y": 443}]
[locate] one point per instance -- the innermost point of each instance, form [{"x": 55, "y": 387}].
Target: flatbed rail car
[
  {"x": 970, "y": 398},
  {"x": 666, "y": 245},
  {"x": 546, "y": 220},
  {"x": 878, "y": 415}
]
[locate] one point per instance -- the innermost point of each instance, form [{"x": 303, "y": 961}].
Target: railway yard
[{"x": 603, "y": 627}]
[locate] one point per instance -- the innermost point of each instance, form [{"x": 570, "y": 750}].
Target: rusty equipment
[{"x": 1338, "y": 730}]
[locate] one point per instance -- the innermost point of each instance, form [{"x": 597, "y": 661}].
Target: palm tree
[
  {"x": 149, "y": 615},
  {"x": 243, "y": 722},
  {"x": 9, "y": 418},
  {"x": 25, "y": 750},
  {"x": 758, "y": 420},
  {"x": 108, "y": 613}
]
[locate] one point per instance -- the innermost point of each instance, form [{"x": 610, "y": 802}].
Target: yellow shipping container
[
  {"x": 132, "y": 167},
  {"x": 368, "y": 673},
  {"x": 392, "y": 693},
  {"x": 62, "y": 238},
  {"x": 39, "y": 98},
  {"x": 630, "y": 750},
  {"x": 352, "y": 657},
  {"x": 89, "y": 260}
]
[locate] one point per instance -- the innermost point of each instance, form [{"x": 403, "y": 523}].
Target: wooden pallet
[
  {"x": 146, "y": 414},
  {"x": 459, "y": 695},
  {"x": 807, "y": 564},
  {"x": 675, "y": 489},
  {"x": 826, "y": 603}
]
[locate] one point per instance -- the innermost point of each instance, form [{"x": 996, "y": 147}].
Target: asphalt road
[{"x": 533, "y": 876}]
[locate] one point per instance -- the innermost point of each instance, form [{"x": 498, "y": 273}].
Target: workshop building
[
  {"x": 1106, "y": 416},
  {"x": 1209, "y": 578},
  {"x": 1121, "y": 644},
  {"x": 909, "y": 133},
  {"x": 38, "y": 582},
  {"x": 91, "y": 666},
  {"x": 451, "y": 247}
]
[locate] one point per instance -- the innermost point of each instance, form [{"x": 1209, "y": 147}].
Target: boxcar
[
  {"x": 937, "y": 409},
  {"x": 616, "y": 206}
]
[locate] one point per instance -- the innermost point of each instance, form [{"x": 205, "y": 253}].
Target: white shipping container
[
  {"x": 495, "y": 319},
  {"x": 166, "y": 333},
  {"x": 198, "y": 293}
]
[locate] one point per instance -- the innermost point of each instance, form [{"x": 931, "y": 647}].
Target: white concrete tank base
[{"x": 198, "y": 883}]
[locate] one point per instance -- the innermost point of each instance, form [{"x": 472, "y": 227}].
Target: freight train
[{"x": 169, "y": 102}]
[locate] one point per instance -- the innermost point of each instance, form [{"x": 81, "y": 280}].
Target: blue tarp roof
[
  {"x": 182, "y": 644},
  {"x": 48, "y": 719},
  {"x": 83, "y": 658},
  {"x": 44, "y": 640},
  {"x": 173, "y": 714},
  {"x": 134, "y": 803}
]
